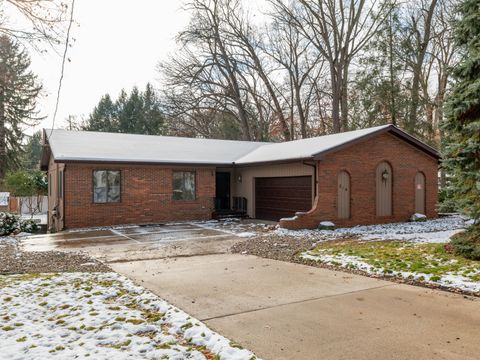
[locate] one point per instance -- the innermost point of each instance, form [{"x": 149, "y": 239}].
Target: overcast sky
[{"x": 117, "y": 45}]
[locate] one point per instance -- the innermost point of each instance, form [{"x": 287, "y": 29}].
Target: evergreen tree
[
  {"x": 462, "y": 127},
  {"x": 134, "y": 113},
  {"x": 103, "y": 117},
  {"x": 33, "y": 152},
  {"x": 19, "y": 91},
  {"x": 153, "y": 117},
  {"x": 130, "y": 112},
  {"x": 378, "y": 95}
]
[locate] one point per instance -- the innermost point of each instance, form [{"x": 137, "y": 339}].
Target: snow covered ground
[
  {"x": 430, "y": 231},
  {"x": 462, "y": 279},
  {"x": 100, "y": 315},
  {"x": 236, "y": 227},
  {"x": 8, "y": 240}
]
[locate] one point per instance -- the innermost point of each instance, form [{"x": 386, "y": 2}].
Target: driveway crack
[{"x": 296, "y": 302}]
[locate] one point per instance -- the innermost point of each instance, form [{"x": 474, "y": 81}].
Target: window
[
  {"x": 106, "y": 186},
  {"x": 60, "y": 184},
  {"x": 183, "y": 185}
]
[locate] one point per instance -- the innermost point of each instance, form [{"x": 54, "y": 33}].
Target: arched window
[
  {"x": 420, "y": 193},
  {"x": 384, "y": 179},
  {"x": 343, "y": 195}
]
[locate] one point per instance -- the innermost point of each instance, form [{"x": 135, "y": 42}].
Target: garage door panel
[{"x": 282, "y": 196}]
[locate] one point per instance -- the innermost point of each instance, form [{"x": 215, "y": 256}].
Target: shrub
[
  {"x": 467, "y": 243},
  {"x": 29, "y": 226},
  {"x": 9, "y": 223},
  {"x": 12, "y": 224}
]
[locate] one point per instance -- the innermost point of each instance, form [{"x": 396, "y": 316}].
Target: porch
[{"x": 268, "y": 192}]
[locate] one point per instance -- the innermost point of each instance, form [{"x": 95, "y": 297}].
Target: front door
[{"x": 222, "y": 194}]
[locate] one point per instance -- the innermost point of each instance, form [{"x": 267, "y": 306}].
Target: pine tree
[
  {"x": 378, "y": 95},
  {"x": 103, "y": 117},
  {"x": 19, "y": 91},
  {"x": 33, "y": 152},
  {"x": 462, "y": 127},
  {"x": 134, "y": 113},
  {"x": 153, "y": 117},
  {"x": 130, "y": 112}
]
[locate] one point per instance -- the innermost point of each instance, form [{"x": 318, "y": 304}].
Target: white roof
[
  {"x": 304, "y": 148},
  {"x": 114, "y": 147}
]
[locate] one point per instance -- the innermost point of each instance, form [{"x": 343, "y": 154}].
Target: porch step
[{"x": 226, "y": 214}]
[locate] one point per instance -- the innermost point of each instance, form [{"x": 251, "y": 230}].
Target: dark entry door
[
  {"x": 280, "y": 197},
  {"x": 222, "y": 196}
]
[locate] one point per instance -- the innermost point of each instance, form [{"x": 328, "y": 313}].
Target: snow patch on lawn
[
  {"x": 101, "y": 315},
  {"x": 450, "y": 280},
  {"x": 8, "y": 240},
  {"x": 430, "y": 231},
  {"x": 246, "y": 234}
]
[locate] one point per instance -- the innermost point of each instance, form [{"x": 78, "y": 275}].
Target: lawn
[
  {"x": 99, "y": 315},
  {"x": 424, "y": 262}
]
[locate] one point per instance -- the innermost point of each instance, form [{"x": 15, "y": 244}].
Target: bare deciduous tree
[
  {"x": 339, "y": 30},
  {"x": 34, "y": 21}
]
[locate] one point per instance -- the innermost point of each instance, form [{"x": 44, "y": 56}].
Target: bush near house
[
  {"x": 13, "y": 224},
  {"x": 467, "y": 243}
]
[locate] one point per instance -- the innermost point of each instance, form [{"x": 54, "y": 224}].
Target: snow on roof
[
  {"x": 304, "y": 148},
  {"x": 114, "y": 147}
]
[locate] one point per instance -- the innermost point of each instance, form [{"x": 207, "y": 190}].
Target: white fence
[{"x": 32, "y": 205}]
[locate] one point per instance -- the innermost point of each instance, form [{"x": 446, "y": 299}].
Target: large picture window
[
  {"x": 183, "y": 185},
  {"x": 106, "y": 186}
]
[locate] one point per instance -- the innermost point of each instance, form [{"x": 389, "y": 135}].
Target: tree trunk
[
  {"x": 393, "y": 110},
  {"x": 417, "y": 68},
  {"x": 344, "y": 97},
  {"x": 439, "y": 100},
  {"x": 3, "y": 142},
  {"x": 336, "y": 96},
  {"x": 301, "y": 113}
]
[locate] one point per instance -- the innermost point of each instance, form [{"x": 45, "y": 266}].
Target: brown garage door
[{"x": 280, "y": 197}]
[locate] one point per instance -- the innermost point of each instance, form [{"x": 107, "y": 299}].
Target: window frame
[
  {"x": 194, "y": 187},
  {"x": 93, "y": 187}
]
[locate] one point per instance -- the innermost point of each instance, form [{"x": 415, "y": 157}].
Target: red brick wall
[
  {"x": 360, "y": 161},
  {"x": 146, "y": 196}
]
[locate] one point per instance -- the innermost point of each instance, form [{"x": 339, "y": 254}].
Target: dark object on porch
[{"x": 239, "y": 209}]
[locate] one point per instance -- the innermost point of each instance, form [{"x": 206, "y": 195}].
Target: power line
[{"x": 67, "y": 42}]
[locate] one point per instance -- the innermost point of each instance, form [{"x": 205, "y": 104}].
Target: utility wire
[{"x": 67, "y": 42}]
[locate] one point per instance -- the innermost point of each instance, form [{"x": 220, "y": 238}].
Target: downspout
[{"x": 314, "y": 165}]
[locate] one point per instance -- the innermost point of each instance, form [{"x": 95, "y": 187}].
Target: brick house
[{"x": 368, "y": 176}]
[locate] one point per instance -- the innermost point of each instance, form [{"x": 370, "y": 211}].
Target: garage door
[{"x": 280, "y": 197}]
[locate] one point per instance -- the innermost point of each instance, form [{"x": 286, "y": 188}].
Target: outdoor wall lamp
[
  {"x": 385, "y": 175},
  {"x": 239, "y": 178}
]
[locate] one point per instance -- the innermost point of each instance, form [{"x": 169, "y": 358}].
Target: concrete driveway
[
  {"x": 281, "y": 310},
  {"x": 137, "y": 242}
]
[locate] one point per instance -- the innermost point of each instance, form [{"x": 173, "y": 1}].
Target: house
[{"x": 375, "y": 175}]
